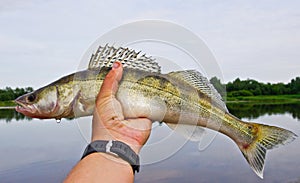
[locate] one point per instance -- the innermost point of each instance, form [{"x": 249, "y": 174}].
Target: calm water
[{"x": 44, "y": 151}]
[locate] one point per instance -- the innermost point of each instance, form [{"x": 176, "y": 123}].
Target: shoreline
[
  {"x": 7, "y": 107},
  {"x": 265, "y": 99}
]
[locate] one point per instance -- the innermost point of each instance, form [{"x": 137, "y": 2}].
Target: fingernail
[{"x": 116, "y": 65}]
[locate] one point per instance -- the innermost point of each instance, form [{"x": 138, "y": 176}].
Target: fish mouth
[{"x": 24, "y": 108}]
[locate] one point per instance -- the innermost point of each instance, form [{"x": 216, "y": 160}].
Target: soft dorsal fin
[
  {"x": 197, "y": 80},
  {"x": 107, "y": 55}
]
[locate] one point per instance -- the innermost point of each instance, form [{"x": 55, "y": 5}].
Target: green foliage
[
  {"x": 240, "y": 93},
  {"x": 267, "y": 99},
  {"x": 250, "y": 87},
  {"x": 294, "y": 85},
  {"x": 9, "y": 94}
]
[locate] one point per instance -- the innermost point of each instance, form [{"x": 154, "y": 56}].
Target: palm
[{"x": 109, "y": 122}]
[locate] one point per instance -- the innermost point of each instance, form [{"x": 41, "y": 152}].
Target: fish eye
[{"x": 31, "y": 97}]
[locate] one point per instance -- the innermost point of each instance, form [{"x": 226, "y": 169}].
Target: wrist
[
  {"x": 114, "y": 159},
  {"x": 133, "y": 145},
  {"x": 116, "y": 150}
]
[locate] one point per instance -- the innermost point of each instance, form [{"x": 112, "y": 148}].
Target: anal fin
[{"x": 190, "y": 132}]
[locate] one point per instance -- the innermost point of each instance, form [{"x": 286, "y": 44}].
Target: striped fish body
[
  {"x": 159, "y": 97},
  {"x": 185, "y": 98}
]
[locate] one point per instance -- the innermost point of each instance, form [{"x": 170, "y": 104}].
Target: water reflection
[
  {"x": 32, "y": 152},
  {"x": 10, "y": 114},
  {"x": 253, "y": 110}
]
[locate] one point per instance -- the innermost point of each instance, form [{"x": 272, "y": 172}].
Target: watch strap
[{"x": 117, "y": 148}]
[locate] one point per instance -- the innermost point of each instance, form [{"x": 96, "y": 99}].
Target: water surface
[{"x": 43, "y": 151}]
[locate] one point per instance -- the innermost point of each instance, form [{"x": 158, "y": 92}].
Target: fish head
[{"x": 42, "y": 103}]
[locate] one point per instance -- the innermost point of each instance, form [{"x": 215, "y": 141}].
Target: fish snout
[
  {"x": 21, "y": 100},
  {"x": 23, "y": 106}
]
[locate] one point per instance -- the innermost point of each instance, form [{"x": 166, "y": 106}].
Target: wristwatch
[{"x": 116, "y": 148}]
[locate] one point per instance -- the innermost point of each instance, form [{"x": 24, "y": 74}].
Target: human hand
[{"x": 108, "y": 119}]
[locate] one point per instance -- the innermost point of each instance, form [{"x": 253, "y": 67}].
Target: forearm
[{"x": 101, "y": 167}]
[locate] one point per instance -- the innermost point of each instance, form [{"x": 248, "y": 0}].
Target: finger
[{"x": 111, "y": 82}]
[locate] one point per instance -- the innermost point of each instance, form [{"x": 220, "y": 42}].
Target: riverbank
[
  {"x": 7, "y": 104},
  {"x": 265, "y": 99}
]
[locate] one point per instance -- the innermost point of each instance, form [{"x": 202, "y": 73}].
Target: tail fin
[{"x": 267, "y": 137}]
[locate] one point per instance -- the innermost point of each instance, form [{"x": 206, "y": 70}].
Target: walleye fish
[{"x": 182, "y": 97}]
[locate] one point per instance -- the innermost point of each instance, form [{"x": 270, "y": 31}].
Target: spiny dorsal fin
[
  {"x": 107, "y": 55},
  {"x": 197, "y": 80}
]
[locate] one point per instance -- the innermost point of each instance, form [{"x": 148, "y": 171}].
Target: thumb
[{"x": 110, "y": 84}]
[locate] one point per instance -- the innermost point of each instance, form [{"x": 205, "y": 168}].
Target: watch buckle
[{"x": 108, "y": 148}]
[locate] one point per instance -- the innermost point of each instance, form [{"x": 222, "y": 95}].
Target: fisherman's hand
[{"x": 108, "y": 119}]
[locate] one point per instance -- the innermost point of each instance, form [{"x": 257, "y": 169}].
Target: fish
[{"x": 184, "y": 100}]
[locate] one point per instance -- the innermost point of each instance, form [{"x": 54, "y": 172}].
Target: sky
[{"x": 41, "y": 41}]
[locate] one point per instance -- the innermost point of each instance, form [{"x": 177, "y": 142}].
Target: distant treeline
[
  {"x": 251, "y": 87},
  {"x": 8, "y": 93}
]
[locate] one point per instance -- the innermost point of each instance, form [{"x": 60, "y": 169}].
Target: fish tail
[{"x": 265, "y": 137}]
